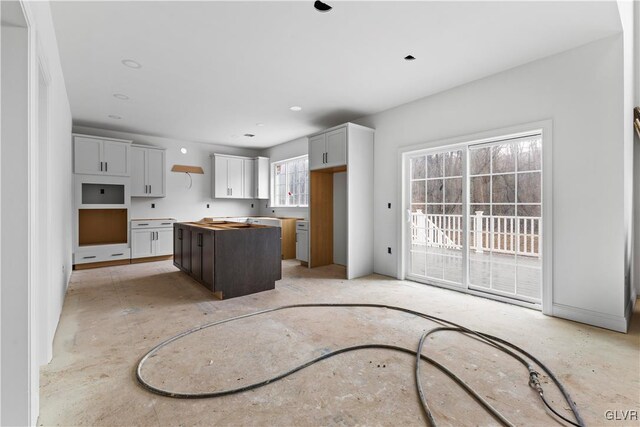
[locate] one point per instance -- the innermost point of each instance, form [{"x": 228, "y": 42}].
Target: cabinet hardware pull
[
  {"x": 100, "y": 166},
  {"x": 157, "y": 235},
  {"x": 165, "y": 223},
  {"x": 106, "y": 166},
  {"x": 149, "y": 188},
  {"x": 117, "y": 254},
  {"x": 140, "y": 224},
  {"x": 88, "y": 257}
]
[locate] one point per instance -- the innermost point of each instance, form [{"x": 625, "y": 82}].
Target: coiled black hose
[{"x": 498, "y": 343}]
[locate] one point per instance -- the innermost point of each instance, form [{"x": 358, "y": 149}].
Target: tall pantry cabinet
[{"x": 341, "y": 175}]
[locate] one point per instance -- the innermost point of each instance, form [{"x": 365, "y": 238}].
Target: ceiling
[{"x": 211, "y": 71}]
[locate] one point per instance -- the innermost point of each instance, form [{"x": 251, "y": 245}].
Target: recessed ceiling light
[
  {"x": 131, "y": 63},
  {"x": 249, "y": 135},
  {"x": 114, "y": 117},
  {"x": 121, "y": 96},
  {"x": 295, "y": 108},
  {"x": 409, "y": 58},
  {"x": 260, "y": 124},
  {"x": 321, "y": 7},
  {"x": 183, "y": 150}
]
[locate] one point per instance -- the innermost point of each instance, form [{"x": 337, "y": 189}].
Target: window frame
[{"x": 272, "y": 194}]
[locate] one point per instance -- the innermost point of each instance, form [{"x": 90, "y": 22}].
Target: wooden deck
[{"x": 510, "y": 275}]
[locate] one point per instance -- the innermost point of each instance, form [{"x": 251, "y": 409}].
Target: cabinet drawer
[
  {"x": 152, "y": 223},
  {"x": 85, "y": 256}
]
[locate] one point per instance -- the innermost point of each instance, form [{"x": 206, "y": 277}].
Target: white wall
[
  {"x": 287, "y": 150},
  {"x": 16, "y": 362},
  {"x": 181, "y": 203},
  {"x": 59, "y": 166},
  {"x": 19, "y": 158},
  {"x": 636, "y": 152},
  {"x": 626, "y": 9},
  {"x": 581, "y": 92}
]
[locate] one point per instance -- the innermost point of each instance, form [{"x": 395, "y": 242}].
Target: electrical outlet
[
  {"x": 251, "y": 204},
  {"x": 389, "y": 205},
  {"x": 153, "y": 205},
  {"x": 389, "y": 250},
  {"x": 102, "y": 191}
]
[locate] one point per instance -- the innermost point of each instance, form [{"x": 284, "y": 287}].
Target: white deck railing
[{"x": 503, "y": 234}]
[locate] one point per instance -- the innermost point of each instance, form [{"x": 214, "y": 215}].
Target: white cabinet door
[
  {"x": 316, "y": 152},
  {"x": 155, "y": 173},
  {"x": 248, "y": 184},
  {"x": 302, "y": 245},
  {"x": 234, "y": 177},
  {"x": 142, "y": 243},
  {"x": 336, "y": 148},
  {"x": 87, "y": 156},
  {"x": 262, "y": 178},
  {"x": 115, "y": 156},
  {"x": 220, "y": 184},
  {"x": 164, "y": 242},
  {"x": 138, "y": 171}
]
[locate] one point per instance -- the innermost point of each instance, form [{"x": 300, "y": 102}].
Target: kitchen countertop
[{"x": 222, "y": 225}]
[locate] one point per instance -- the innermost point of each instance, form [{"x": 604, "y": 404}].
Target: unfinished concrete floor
[{"x": 113, "y": 316}]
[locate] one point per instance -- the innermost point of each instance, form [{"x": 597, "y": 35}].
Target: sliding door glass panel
[
  {"x": 505, "y": 206},
  {"x": 436, "y": 217}
]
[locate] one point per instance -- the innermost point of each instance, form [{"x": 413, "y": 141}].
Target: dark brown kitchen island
[{"x": 230, "y": 259}]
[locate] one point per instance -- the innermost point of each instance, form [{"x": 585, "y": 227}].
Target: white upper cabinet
[
  {"x": 328, "y": 149},
  {"x": 228, "y": 177},
  {"x": 156, "y": 176},
  {"x": 148, "y": 176},
  {"x": 116, "y": 158},
  {"x": 262, "y": 178},
  {"x": 101, "y": 156},
  {"x": 138, "y": 168},
  {"x": 220, "y": 184},
  {"x": 248, "y": 180},
  {"x": 236, "y": 177},
  {"x": 317, "y": 148},
  {"x": 336, "y": 148},
  {"x": 87, "y": 156}
]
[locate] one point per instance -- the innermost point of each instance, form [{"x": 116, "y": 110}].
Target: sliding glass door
[
  {"x": 475, "y": 217},
  {"x": 435, "y": 217}
]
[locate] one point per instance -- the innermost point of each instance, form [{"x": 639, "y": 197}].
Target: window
[{"x": 290, "y": 180}]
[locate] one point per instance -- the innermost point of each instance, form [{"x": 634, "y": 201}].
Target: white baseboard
[{"x": 602, "y": 320}]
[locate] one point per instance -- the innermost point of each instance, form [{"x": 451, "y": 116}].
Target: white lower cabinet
[
  {"x": 150, "y": 238},
  {"x": 101, "y": 253},
  {"x": 164, "y": 241},
  {"x": 142, "y": 243},
  {"x": 302, "y": 241}
]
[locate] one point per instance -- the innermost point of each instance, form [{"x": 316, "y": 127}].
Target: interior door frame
[{"x": 545, "y": 128}]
